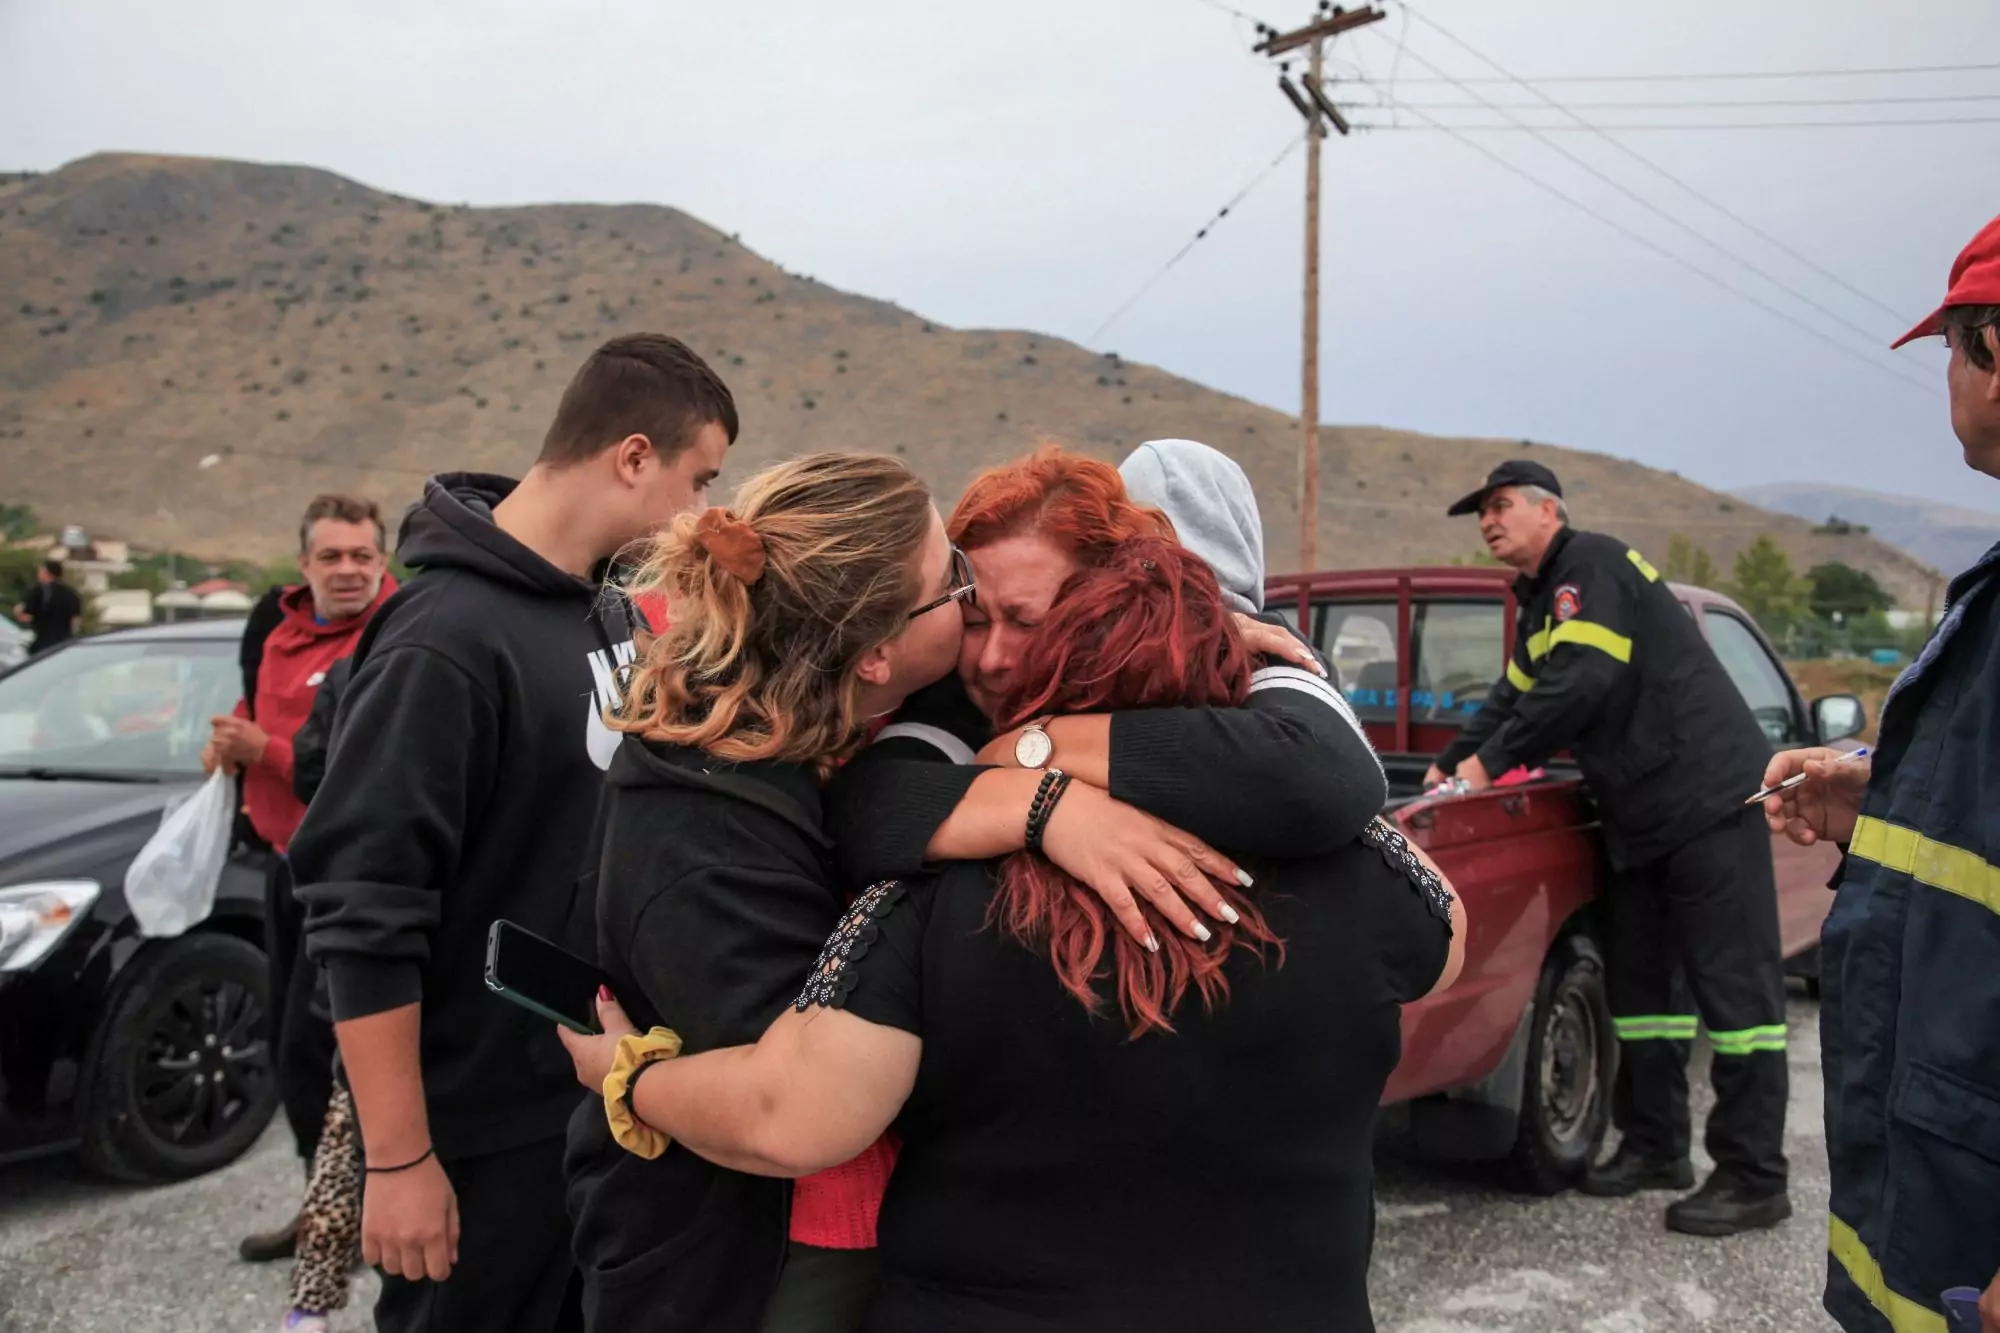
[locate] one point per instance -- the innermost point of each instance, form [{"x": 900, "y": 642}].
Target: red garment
[
  {"x": 296, "y": 657},
  {"x": 652, "y": 608},
  {"x": 836, "y": 1209}
]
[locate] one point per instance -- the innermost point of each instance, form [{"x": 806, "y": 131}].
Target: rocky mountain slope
[{"x": 311, "y": 333}]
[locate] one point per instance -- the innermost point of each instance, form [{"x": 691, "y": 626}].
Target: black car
[{"x": 148, "y": 1056}]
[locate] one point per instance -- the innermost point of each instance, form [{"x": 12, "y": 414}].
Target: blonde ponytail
[{"x": 770, "y": 605}]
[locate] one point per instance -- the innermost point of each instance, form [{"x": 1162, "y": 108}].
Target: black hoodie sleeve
[
  {"x": 723, "y": 949},
  {"x": 1287, "y": 775},
  {"x": 887, "y": 804},
  {"x": 408, "y": 774}
]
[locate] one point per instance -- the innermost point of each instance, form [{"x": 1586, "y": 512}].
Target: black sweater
[
  {"x": 1044, "y": 1150},
  {"x": 715, "y": 893},
  {"x": 461, "y": 786}
]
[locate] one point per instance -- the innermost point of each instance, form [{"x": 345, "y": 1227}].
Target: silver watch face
[{"x": 1033, "y": 748}]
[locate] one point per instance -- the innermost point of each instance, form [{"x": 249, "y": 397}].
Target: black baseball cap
[{"x": 1513, "y": 472}]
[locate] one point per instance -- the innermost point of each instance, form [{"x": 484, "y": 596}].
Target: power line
[
  {"x": 1705, "y": 104},
  {"x": 1660, "y": 171},
  {"x": 1732, "y": 74},
  {"x": 1669, "y": 255},
  {"x": 1639, "y": 127},
  {"x": 1870, "y": 335},
  {"x": 1233, "y": 12},
  {"x": 1395, "y": 66},
  {"x": 1206, "y": 227}
]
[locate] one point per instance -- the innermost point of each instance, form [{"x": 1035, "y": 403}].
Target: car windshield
[{"x": 116, "y": 708}]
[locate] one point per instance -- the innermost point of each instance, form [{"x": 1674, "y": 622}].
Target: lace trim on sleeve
[
  {"x": 1396, "y": 851},
  {"x": 834, "y": 976}
]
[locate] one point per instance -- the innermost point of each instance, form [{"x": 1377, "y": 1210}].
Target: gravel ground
[{"x": 1452, "y": 1254}]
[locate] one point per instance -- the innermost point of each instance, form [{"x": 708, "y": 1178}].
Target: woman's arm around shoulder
[{"x": 826, "y": 1078}]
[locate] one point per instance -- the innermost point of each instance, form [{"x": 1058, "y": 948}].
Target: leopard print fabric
[{"x": 330, "y": 1229}]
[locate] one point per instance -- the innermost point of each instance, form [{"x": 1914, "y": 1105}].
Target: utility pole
[{"x": 1314, "y": 105}]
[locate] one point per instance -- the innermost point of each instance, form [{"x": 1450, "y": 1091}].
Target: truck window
[
  {"x": 1359, "y": 638},
  {"x": 1457, "y": 649},
  {"x": 1758, "y": 678}
]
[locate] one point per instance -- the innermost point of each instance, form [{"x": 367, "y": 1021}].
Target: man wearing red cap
[{"x": 1910, "y": 1022}]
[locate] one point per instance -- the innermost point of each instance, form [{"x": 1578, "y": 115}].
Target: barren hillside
[{"x": 316, "y": 333}]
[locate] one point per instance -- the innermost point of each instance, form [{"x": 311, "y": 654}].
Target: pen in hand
[{"x": 1798, "y": 778}]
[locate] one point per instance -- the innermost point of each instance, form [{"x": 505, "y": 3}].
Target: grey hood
[{"x": 1213, "y": 509}]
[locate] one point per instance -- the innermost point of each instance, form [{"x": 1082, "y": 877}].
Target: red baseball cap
[{"x": 1975, "y": 280}]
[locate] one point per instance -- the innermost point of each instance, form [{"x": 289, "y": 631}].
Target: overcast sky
[{"x": 1032, "y": 164}]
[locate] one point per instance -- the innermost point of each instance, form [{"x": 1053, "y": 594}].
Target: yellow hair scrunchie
[{"x": 636, "y": 1050}]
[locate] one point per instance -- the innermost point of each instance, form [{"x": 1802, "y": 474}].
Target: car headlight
[{"x": 35, "y": 917}]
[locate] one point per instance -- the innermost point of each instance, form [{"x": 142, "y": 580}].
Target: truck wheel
[
  {"x": 181, "y": 1081},
  {"x": 1566, "y": 1085}
]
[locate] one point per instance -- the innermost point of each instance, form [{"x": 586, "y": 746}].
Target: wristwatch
[{"x": 1033, "y": 748}]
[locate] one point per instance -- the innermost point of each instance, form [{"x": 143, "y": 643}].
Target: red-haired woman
[
  {"x": 1284, "y": 772},
  {"x": 1060, "y": 1088}
]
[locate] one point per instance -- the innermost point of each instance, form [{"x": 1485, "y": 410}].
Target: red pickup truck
[{"x": 1515, "y": 1061}]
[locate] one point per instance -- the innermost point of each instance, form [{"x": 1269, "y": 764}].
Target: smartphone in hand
[{"x": 544, "y": 978}]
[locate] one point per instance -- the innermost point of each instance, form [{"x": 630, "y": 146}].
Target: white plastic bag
[{"x": 170, "y": 885}]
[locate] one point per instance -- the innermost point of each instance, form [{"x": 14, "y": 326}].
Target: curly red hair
[
  {"x": 1145, "y": 628},
  {"x": 1077, "y": 502}
]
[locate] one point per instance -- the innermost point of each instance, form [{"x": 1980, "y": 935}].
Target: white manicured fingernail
[
  {"x": 1243, "y": 878},
  {"x": 1203, "y": 933},
  {"x": 1229, "y": 915},
  {"x": 1152, "y": 945}
]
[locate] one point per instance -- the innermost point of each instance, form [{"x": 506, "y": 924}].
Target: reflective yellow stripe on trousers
[
  {"x": 1904, "y": 1315},
  {"x": 1928, "y": 861}
]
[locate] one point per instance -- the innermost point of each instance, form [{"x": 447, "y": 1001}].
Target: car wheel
[
  {"x": 182, "y": 1079},
  {"x": 1571, "y": 1059},
  {"x": 1805, "y": 967}
]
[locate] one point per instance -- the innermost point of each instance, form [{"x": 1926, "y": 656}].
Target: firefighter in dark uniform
[
  {"x": 1608, "y": 664},
  {"x": 1910, "y": 1023}
]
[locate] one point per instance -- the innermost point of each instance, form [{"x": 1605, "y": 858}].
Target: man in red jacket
[{"x": 342, "y": 552}]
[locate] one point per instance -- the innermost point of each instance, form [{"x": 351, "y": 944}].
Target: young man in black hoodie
[{"x": 461, "y": 786}]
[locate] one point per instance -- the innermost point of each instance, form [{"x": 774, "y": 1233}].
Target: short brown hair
[
  {"x": 344, "y": 509},
  {"x": 641, "y": 384},
  {"x": 764, "y": 670},
  {"x": 1962, "y": 325}
]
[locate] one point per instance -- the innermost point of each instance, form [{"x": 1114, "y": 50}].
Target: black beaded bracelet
[{"x": 1054, "y": 783}]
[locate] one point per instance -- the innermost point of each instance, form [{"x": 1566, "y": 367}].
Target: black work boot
[
  {"x": 1723, "y": 1207},
  {"x": 267, "y": 1246},
  {"x": 1628, "y": 1172}
]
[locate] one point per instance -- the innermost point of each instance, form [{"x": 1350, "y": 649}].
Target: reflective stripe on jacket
[
  {"x": 1910, "y": 958},
  {"x": 1608, "y": 663}
]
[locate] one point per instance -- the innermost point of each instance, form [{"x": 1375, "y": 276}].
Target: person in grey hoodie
[{"x": 1213, "y": 509}]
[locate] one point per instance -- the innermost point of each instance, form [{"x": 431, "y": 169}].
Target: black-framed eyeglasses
[{"x": 963, "y": 585}]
